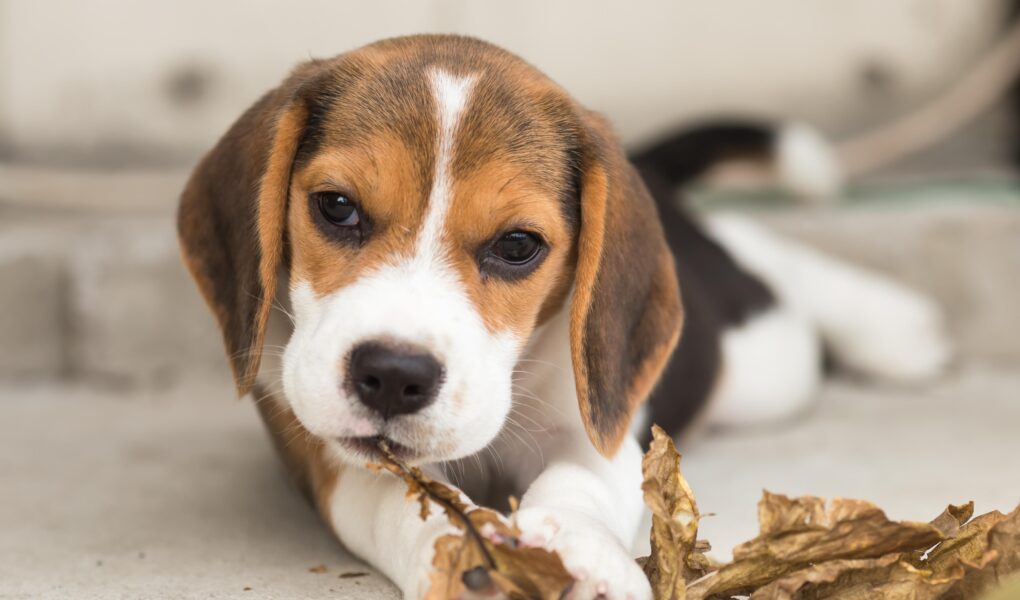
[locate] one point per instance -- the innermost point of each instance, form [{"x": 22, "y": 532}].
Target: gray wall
[{"x": 146, "y": 79}]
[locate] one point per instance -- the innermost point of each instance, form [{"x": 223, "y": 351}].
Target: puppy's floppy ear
[
  {"x": 626, "y": 315},
  {"x": 230, "y": 222}
]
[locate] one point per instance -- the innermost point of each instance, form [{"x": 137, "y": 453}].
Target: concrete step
[
  {"x": 95, "y": 290},
  {"x": 960, "y": 244}
]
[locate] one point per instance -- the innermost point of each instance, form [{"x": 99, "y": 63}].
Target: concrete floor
[
  {"x": 170, "y": 495},
  {"x": 177, "y": 494},
  {"x": 911, "y": 452}
]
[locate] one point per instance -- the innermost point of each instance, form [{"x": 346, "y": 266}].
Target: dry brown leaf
[
  {"x": 970, "y": 543},
  {"x": 988, "y": 551},
  {"x": 486, "y": 556},
  {"x": 459, "y": 565},
  {"x": 954, "y": 517},
  {"x": 888, "y": 577},
  {"x": 516, "y": 571},
  {"x": 676, "y": 558},
  {"x": 846, "y": 529},
  {"x": 1004, "y": 538},
  {"x": 424, "y": 489},
  {"x": 797, "y": 533}
]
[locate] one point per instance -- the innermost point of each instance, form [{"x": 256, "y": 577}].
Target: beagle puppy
[{"x": 427, "y": 241}]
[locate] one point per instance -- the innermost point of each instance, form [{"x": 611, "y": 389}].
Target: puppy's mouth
[{"x": 371, "y": 447}]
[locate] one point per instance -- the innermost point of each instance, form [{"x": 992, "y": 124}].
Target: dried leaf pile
[{"x": 806, "y": 549}]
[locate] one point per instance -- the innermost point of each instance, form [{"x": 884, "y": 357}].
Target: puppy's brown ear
[
  {"x": 231, "y": 217},
  {"x": 626, "y": 315}
]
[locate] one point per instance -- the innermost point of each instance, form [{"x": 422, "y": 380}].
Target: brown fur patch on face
[
  {"x": 382, "y": 176},
  {"x": 491, "y": 202},
  {"x": 511, "y": 168}
]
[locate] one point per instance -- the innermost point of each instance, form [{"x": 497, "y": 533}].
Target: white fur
[
  {"x": 807, "y": 163},
  {"x": 420, "y": 304},
  {"x": 451, "y": 94},
  {"x": 871, "y": 324}
]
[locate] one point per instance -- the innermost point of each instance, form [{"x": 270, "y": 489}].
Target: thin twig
[{"x": 450, "y": 508}]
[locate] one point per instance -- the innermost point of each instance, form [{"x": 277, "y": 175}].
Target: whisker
[
  {"x": 542, "y": 362},
  {"x": 533, "y": 446},
  {"x": 287, "y": 313}
]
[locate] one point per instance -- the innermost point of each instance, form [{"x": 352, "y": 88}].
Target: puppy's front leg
[
  {"x": 373, "y": 517},
  {"x": 588, "y": 508}
]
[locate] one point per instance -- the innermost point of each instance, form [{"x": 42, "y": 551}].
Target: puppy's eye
[
  {"x": 512, "y": 256},
  {"x": 517, "y": 247},
  {"x": 338, "y": 209}
]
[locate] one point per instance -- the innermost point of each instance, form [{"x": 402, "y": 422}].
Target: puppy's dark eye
[
  {"x": 517, "y": 247},
  {"x": 512, "y": 256},
  {"x": 338, "y": 209}
]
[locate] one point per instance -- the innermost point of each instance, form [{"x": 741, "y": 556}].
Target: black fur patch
[
  {"x": 717, "y": 293},
  {"x": 691, "y": 152}
]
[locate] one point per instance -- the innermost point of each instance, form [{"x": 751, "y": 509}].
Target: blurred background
[{"x": 125, "y": 469}]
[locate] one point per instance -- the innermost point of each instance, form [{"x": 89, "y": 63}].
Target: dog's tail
[{"x": 798, "y": 157}]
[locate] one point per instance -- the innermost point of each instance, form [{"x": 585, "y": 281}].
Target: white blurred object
[
  {"x": 118, "y": 73},
  {"x": 807, "y": 163}
]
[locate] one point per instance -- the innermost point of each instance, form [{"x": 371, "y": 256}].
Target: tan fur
[
  {"x": 380, "y": 175},
  {"x": 486, "y": 206},
  {"x": 589, "y": 257}
]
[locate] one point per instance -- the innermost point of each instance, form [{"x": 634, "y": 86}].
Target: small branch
[{"x": 449, "y": 507}]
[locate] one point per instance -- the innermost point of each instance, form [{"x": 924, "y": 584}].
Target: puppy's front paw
[{"x": 603, "y": 568}]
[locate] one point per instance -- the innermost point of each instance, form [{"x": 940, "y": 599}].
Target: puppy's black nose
[{"x": 393, "y": 380}]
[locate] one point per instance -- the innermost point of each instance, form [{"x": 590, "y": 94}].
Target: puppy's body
[
  {"x": 762, "y": 311},
  {"x": 473, "y": 270}
]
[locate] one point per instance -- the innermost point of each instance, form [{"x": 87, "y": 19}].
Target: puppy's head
[{"x": 432, "y": 200}]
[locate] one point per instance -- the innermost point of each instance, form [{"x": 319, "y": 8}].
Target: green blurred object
[
  {"x": 1009, "y": 591},
  {"x": 932, "y": 190}
]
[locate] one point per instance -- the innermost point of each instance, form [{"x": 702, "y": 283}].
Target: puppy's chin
[
  {"x": 364, "y": 451},
  {"x": 414, "y": 443}
]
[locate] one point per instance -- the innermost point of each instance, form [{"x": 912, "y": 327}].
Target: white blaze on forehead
[
  {"x": 451, "y": 94},
  {"x": 419, "y": 300}
]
